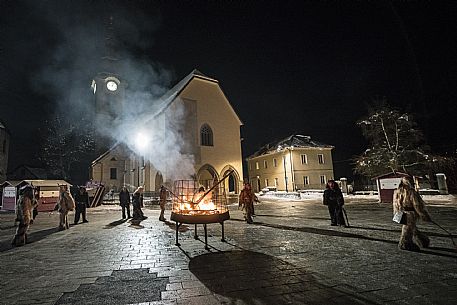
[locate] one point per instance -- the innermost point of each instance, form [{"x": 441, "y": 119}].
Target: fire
[{"x": 197, "y": 204}]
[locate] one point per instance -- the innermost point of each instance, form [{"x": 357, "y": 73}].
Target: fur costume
[
  {"x": 24, "y": 211},
  {"x": 246, "y": 201},
  {"x": 163, "y": 201},
  {"x": 408, "y": 200},
  {"x": 65, "y": 204}
]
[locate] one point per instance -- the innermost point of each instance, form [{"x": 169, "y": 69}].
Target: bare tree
[
  {"x": 395, "y": 144},
  {"x": 65, "y": 145}
]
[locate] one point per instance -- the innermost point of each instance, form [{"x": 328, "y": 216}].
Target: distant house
[
  {"x": 294, "y": 163},
  {"x": 25, "y": 172},
  {"x": 4, "y": 148}
]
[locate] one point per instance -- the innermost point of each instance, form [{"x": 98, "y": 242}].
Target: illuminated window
[
  {"x": 113, "y": 173},
  {"x": 257, "y": 165},
  {"x": 323, "y": 179},
  {"x": 206, "y": 135},
  {"x": 320, "y": 158},
  {"x": 275, "y": 162},
  {"x": 304, "y": 159},
  {"x": 265, "y": 164},
  {"x": 305, "y": 180}
]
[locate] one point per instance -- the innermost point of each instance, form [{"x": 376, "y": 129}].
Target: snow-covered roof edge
[{"x": 294, "y": 140}]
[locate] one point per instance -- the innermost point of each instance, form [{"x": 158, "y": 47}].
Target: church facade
[{"x": 209, "y": 130}]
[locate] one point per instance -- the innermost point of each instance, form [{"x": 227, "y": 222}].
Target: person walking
[
  {"x": 246, "y": 201},
  {"x": 64, "y": 204},
  {"x": 407, "y": 200},
  {"x": 24, "y": 212},
  {"x": 163, "y": 201},
  {"x": 333, "y": 199},
  {"x": 137, "y": 202},
  {"x": 82, "y": 202},
  {"x": 124, "y": 201}
]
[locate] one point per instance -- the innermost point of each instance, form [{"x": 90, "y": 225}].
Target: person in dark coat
[
  {"x": 124, "y": 200},
  {"x": 82, "y": 202},
  {"x": 137, "y": 202},
  {"x": 333, "y": 199}
]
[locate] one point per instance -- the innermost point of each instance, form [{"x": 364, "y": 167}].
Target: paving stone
[{"x": 290, "y": 255}]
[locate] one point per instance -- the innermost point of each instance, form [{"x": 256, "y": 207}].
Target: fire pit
[{"x": 194, "y": 204}]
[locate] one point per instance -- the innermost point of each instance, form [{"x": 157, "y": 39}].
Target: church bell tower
[{"x": 108, "y": 87}]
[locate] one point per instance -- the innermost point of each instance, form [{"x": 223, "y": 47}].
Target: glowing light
[{"x": 141, "y": 141}]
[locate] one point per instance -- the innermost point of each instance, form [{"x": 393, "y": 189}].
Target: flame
[{"x": 196, "y": 204}]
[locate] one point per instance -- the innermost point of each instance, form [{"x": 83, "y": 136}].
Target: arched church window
[{"x": 206, "y": 135}]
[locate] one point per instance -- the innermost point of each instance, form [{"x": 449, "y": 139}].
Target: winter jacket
[
  {"x": 124, "y": 198},
  {"x": 82, "y": 198},
  {"x": 333, "y": 197}
]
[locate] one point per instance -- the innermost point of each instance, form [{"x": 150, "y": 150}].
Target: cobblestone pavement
[{"x": 290, "y": 255}]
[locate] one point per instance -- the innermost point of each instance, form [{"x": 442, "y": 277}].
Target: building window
[
  {"x": 265, "y": 164},
  {"x": 257, "y": 165},
  {"x": 206, "y": 135},
  {"x": 266, "y": 182},
  {"x": 320, "y": 158},
  {"x": 113, "y": 173},
  {"x": 276, "y": 182},
  {"x": 323, "y": 180},
  {"x": 305, "y": 180},
  {"x": 304, "y": 159},
  {"x": 275, "y": 162}
]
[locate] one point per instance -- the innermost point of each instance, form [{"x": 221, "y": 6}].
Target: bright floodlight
[{"x": 141, "y": 141}]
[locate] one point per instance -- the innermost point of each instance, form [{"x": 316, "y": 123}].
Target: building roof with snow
[{"x": 293, "y": 141}]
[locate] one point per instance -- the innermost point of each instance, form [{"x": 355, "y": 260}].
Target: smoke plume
[{"x": 74, "y": 59}]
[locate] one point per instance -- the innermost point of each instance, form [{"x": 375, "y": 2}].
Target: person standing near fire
[
  {"x": 124, "y": 201},
  {"x": 163, "y": 201},
  {"x": 137, "y": 202},
  {"x": 65, "y": 204},
  {"x": 23, "y": 215},
  {"x": 82, "y": 202},
  {"x": 246, "y": 201},
  {"x": 408, "y": 201}
]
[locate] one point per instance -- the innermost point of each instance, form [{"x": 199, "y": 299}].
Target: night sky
[{"x": 307, "y": 67}]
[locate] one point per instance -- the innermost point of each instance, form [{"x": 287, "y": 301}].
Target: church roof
[
  {"x": 295, "y": 141},
  {"x": 171, "y": 94}
]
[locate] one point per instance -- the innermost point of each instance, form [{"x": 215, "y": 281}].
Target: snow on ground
[{"x": 317, "y": 195}]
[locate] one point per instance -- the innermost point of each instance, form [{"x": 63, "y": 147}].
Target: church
[{"x": 206, "y": 132}]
